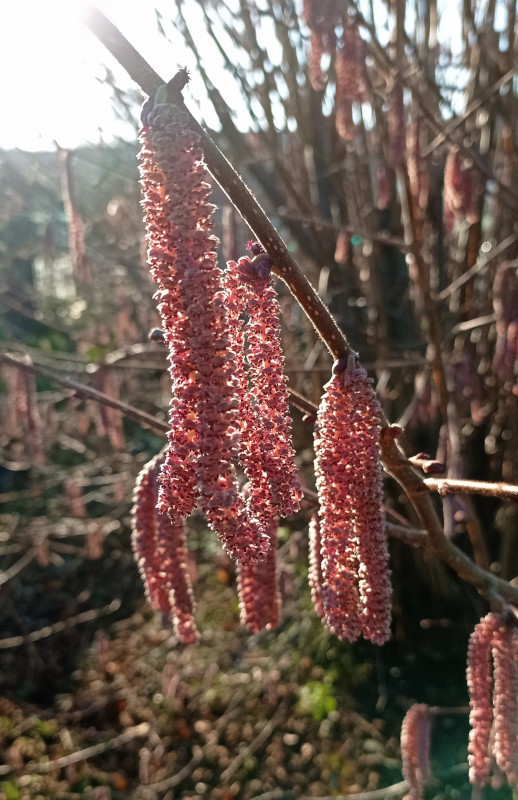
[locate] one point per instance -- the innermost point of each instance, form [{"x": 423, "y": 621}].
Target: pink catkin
[
  {"x": 351, "y": 71},
  {"x": 29, "y": 414},
  {"x": 178, "y": 478},
  {"x": 340, "y": 590},
  {"x": 460, "y": 190},
  {"x": 259, "y": 500},
  {"x": 342, "y": 248},
  {"x": 352, "y": 84},
  {"x": 74, "y": 496},
  {"x": 76, "y": 226},
  {"x": 384, "y": 188},
  {"x": 316, "y": 76},
  {"x": 106, "y": 381},
  {"x": 344, "y": 122},
  {"x": 192, "y": 307},
  {"x": 258, "y": 593},
  {"x": 315, "y": 565},
  {"x": 172, "y": 557},
  {"x": 356, "y": 587},
  {"x": 415, "y": 749},
  {"x": 321, "y": 17},
  {"x": 480, "y": 697},
  {"x": 161, "y": 553},
  {"x": 12, "y": 421},
  {"x": 265, "y": 443},
  {"x": 505, "y": 706},
  {"x": 268, "y": 384},
  {"x": 505, "y": 304},
  {"x": 417, "y": 169}
]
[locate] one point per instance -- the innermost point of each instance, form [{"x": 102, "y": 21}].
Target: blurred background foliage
[{"x": 413, "y": 248}]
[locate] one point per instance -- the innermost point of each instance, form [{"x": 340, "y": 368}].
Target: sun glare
[{"x": 52, "y": 70}]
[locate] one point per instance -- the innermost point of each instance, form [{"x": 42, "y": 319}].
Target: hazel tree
[{"x": 229, "y": 451}]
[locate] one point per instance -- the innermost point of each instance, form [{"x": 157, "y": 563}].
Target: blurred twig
[
  {"x": 89, "y": 752},
  {"x": 377, "y": 794},
  {"x": 59, "y": 627},
  {"x": 17, "y": 567},
  {"x": 506, "y": 491}
]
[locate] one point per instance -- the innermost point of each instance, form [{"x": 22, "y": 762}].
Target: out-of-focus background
[{"x": 96, "y": 699}]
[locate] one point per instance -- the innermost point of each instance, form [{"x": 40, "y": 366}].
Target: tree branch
[{"x": 506, "y": 491}]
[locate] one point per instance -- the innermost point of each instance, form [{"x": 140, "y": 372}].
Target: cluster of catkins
[
  {"x": 492, "y": 677},
  {"x": 217, "y": 422},
  {"x": 349, "y": 573},
  {"x": 229, "y": 409},
  {"x": 493, "y": 695},
  {"x": 324, "y": 18},
  {"x": 415, "y": 749}
]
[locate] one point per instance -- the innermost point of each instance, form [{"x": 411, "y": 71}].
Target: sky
[{"x": 52, "y": 68}]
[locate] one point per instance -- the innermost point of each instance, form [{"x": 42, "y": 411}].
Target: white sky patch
[
  {"x": 48, "y": 70},
  {"x": 52, "y": 67}
]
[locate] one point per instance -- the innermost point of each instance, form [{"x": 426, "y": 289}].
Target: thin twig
[
  {"x": 410, "y": 536},
  {"x": 380, "y": 237},
  {"x": 261, "y": 737},
  {"x": 168, "y": 783},
  {"x": 59, "y": 627},
  {"x": 469, "y": 325},
  {"x": 17, "y": 567},
  {"x": 506, "y": 491},
  {"x": 86, "y": 391},
  {"x": 137, "y": 67},
  {"x": 478, "y": 266},
  {"x": 472, "y": 107}
]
